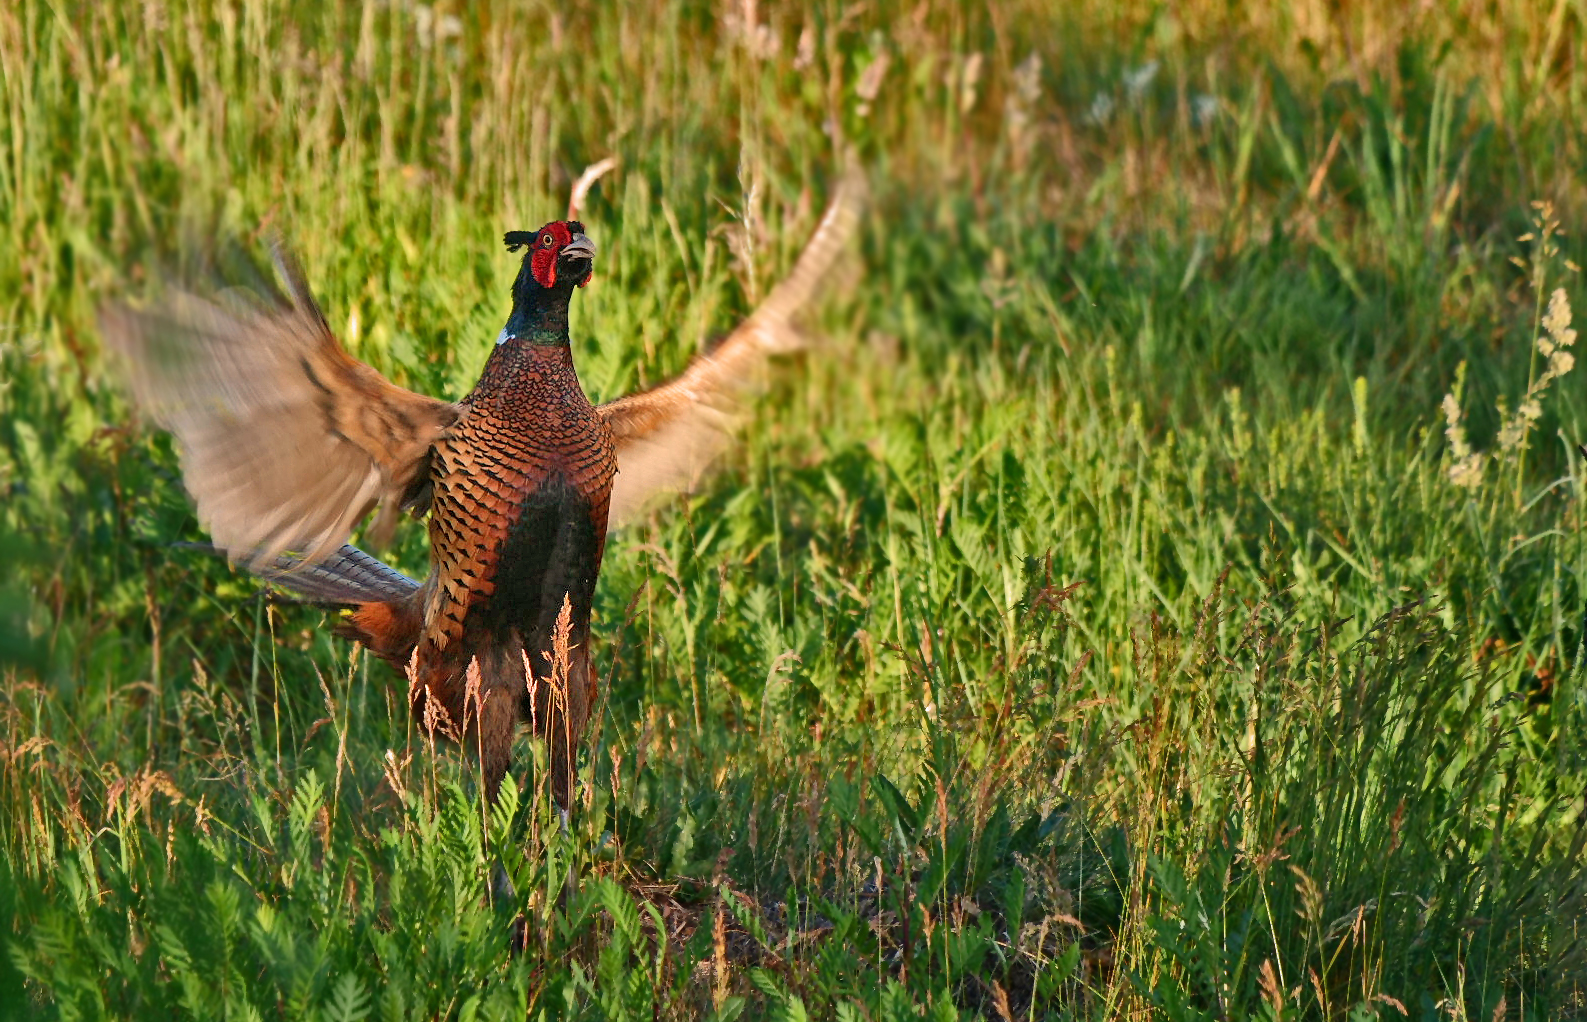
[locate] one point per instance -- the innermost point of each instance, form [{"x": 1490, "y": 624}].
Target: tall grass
[{"x": 1103, "y": 619}]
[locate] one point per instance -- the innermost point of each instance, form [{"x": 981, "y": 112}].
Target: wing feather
[
  {"x": 668, "y": 435},
  {"x": 286, "y": 441}
]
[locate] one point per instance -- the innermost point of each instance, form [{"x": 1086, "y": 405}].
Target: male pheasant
[{"x": 287, "y": 443}]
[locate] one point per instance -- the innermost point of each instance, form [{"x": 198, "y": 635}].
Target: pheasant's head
[
  {"x": 560, "y": 257},
  {"x": 558, "y": 252}
]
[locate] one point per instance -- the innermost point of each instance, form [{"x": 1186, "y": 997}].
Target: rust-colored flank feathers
[{"x": 287, "y": 443}]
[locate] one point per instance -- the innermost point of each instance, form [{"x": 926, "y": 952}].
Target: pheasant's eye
[{"x": 547, "y": 239}]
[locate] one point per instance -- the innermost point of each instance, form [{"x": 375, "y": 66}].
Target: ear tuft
[{"x": 518, "y": 239}]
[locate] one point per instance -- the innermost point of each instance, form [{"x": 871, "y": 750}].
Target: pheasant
[{"x": 287, "y": 443}]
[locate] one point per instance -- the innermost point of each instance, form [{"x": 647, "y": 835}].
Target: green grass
[{"x": 1090, "y": 626}]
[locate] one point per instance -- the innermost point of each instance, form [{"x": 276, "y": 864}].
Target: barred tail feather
[{"x": 347, "y": 575}]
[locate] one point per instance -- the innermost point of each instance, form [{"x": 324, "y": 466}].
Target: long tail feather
[{"x": 346, "y": 576}]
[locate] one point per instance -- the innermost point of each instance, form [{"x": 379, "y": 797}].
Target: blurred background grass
[{"x": 1091, "y": 626}]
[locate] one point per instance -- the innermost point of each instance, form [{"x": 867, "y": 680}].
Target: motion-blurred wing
[
  {"x": 668, "y": 435},
  {"x": 286, "y": 440}
]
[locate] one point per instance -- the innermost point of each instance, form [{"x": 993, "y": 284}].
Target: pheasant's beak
[
  {"x": 578, "y": 257},
  {"x": 581, "y": 247}
]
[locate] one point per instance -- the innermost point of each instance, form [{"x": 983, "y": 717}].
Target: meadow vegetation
[{"x": 1158, "y": 594}]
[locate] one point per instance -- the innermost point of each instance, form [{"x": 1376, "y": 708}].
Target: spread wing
[
  {"x": 286, "y": 440},
  {"x": 667, "y": 436}
]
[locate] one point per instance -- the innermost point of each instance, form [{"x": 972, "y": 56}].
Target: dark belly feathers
[{"x": 552, "y": 551}]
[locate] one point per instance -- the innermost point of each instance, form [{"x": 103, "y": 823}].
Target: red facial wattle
[{"x": 547, "y": 247}]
